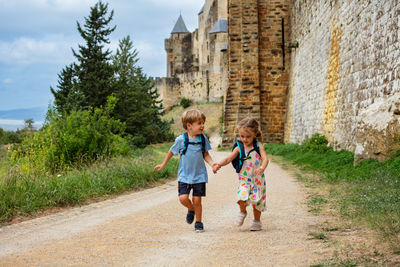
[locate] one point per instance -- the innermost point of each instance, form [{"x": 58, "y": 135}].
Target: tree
[
  {"x": 29, "y": 125},
  {"x": 68, "y": 98},
  {"x": 87, "y": 83},
  {"x": 137, "y": 106}
]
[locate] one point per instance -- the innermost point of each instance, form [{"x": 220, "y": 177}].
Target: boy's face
[{"x": 196, "y": 127}]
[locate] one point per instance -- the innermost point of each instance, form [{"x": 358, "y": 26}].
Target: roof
[
  {"x": 201, "y": 10},
  {"x": 220, "y": 26},
  {"x": 180, "y": 26}
]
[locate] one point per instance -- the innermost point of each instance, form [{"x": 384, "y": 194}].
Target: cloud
[
  {"x": 53, "y": 49},
  {"x": 13, "y": 125},
  {"x": 59, "y": 5},
  {"x": 7, "y": 81},
  {"x": 176, "y": 3}
]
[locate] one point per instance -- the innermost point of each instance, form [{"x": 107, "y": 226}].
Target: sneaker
[
  {"x": 198, "y": 227},
  {"x": 240, "y": 218},
  {"x": 256, "y": 226},
  {"x": 190, "y": 216}
]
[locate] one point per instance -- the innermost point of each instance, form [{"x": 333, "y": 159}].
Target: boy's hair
[
  {"x": 191, "y": 116},
  {"x": 250, "y": 124}
]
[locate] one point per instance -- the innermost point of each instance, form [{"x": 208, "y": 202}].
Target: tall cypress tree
[
  {"x": 94, "y": 70},
  {"x": 88, "y": 82},
  {"x": 137, "y": 99}
]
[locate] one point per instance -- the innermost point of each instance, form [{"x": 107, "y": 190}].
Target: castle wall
[
  {"x": 345, "y": 74},
  {"x": 257, "y": 81},
  {"x": 167, "y": 89},
  {"x": 196, "y": 60}
]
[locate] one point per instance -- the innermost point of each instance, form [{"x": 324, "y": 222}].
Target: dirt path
[{"x": 149, "y": 227}]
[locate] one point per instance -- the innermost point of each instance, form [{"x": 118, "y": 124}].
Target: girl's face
[{"x": 246, "y": 136}]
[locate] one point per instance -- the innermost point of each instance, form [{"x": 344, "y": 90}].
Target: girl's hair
[
  {"x": 250, "y": 124},
  {"x": 191, "y": 116}
]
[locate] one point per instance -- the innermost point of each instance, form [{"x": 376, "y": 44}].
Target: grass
[
  {"x": 368, "y": 194},
  {"x": 26, "y": 195}
]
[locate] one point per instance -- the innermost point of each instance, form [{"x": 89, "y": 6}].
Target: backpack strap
[
  {"x": 256, "y": 147},
  {"x": 203, "y": 142},
  {"x": 186, "y": 143}
]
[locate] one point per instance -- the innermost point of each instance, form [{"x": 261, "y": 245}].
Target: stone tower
[
  {"x": 258, "y": 72},
  {"x": 179, "y": 49}
]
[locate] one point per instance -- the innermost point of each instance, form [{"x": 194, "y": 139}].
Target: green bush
[
  {"x": 316, "y": 143},
  {"x": 185, "y": 102},
  {"x": 71, "y": 139}
]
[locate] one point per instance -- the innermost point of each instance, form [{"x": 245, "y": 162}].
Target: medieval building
[
  {"x": 197, "y": 61},
  {"x": 300, "y": 67}
]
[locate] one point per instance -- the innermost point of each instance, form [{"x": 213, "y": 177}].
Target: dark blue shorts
[{"x": 199, "y": 190}]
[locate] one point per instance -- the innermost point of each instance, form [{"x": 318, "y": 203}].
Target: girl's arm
[
  {"x": 230, "y": 157},
  {"x": 264, "y": 160},
  {"x": 161, "y": 166}
]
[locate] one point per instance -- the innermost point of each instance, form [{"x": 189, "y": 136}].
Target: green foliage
[
  {"x": 98, "y": 74},
  {"x": 137, "y": 106},
  {"x": 11, "y": 137},
  {"x": 71, "y": 139},
  {"x": 368, "y": 192},
  {"x": 185, "y": 102},
  {"x": 317, "y": 143},
  {"x": 20, "y": 194},
  {"x": 88, "y": 83}
]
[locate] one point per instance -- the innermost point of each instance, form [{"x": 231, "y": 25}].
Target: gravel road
[{"x": 149, "y": 228}]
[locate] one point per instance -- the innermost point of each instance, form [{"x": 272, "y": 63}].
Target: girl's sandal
[
  {"x": 256, "y": 226},
  {"x": 240, "y": 218}
]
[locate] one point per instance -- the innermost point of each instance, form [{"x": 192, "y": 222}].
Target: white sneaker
[
  {"x": 240, "y": 218},
  {"x": 256, "y": 226}
]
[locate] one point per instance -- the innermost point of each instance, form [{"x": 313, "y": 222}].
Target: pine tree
[
  {"x": 94, "y": 70},
  {"x": 88, "y": 82},
  {"x": 68, "y": 98},
  {"x": 137, "y": 106}
]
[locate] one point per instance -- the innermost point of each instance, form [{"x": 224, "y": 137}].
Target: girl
[{"x": 251, "y": 174}]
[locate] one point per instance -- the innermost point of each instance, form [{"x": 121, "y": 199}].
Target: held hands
[
  {"x": 215, "y": 167},
  {"x": 259, "y": 171}
]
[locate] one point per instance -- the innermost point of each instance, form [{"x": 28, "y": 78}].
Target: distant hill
[
  {"x": 37, "y": 114},
  {"x": 13, "y": 119}
]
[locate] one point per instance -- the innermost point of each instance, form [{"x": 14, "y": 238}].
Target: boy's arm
[
  {"x": 207, "y": 158},
  {"x": 161, "y": 166}
]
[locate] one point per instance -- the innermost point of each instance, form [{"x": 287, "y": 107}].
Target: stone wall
[
  {"x": 345, "y": 74},
  {"x": 258, "y": 78}
]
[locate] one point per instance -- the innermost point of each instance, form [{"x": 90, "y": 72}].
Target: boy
[{"x": 192, "y": 173}]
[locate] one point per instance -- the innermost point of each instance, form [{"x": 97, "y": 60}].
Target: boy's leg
[
  {"x": 185, "y": 201},
  {"x": 197, "y": 208}
]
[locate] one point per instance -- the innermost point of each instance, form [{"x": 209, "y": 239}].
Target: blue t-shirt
[{"x": 192, "y": 169}]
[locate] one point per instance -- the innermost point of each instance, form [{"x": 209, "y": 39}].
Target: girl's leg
[
  {"x": 257, "y": 214},
  {"x": 197, "y": 208},
  {"x": 242, "y": 205},
  {"x": 185, "y": 201}
]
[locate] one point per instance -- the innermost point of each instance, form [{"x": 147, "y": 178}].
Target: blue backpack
[
  {"x": 186, "y": 143},
  {"x": 238, "y": 161}
]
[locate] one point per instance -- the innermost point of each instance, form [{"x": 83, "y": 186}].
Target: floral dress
[{"x": 252, "y": 187}]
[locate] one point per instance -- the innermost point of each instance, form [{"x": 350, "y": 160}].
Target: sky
[{"x": 36, "y": 37}]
